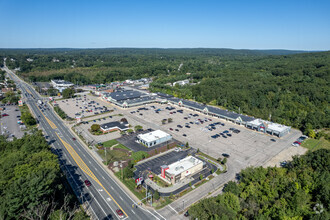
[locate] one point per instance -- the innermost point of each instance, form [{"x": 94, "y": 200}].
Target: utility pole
[
  {"x": 105, "y": 156},
  {"x": 121, "y": 166}
]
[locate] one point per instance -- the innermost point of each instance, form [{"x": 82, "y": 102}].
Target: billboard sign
[{"x": 138, "y": 181}]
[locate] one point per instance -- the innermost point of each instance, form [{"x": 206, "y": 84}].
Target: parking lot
[
  {"x": 83, "y": 106},
  {"x": 9, "y": 126},
  {"x": 246, "y": 148},
  {"x": 166, "y": 159},
  {"x": 130, "y": 142}
]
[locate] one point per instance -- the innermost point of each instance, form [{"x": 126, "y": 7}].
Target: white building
[
  {"x": 181, "y": 82},
  {"x": 153, "y": 138},
  {"x": 181, "y": 169},
  {"x": 268, "y": 127},
  {"x": 60, "y": 85}
]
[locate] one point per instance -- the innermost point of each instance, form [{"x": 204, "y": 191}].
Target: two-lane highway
[{"x": 105, "y": 195}]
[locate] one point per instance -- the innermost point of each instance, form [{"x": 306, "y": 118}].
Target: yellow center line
[
  {"x": 49, "y": 121},
  {"x": 85, "y": 168}
]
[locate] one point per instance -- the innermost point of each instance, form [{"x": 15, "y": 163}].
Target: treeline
[
  {"x": 291, "y": 90},
  {"x": 288, "y": 89},
  {"x": 298, "y": 191},
  {"x": 32, "y": 185}
]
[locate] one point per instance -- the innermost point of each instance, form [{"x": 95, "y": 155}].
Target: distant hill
[{"x": 151, "y": 51}]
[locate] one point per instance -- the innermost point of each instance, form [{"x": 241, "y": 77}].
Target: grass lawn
[
  {"x": 131, "y": 185},
  {"x": 314, "y": 144},
  {"x": 137, "y": 156},
  {"x": 25, "y": 109},
  {"x": 110, "y": 143},
  {"x": 122, "y": 147},
  {"x": 113, "y": 155},
  {"x": 162, "y": 202}
]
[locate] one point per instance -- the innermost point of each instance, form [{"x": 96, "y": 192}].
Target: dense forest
[
  {"x": 288, "y": 87},
  {"x": 300, "y": 190},
  {"x": 32, "y": 185}
]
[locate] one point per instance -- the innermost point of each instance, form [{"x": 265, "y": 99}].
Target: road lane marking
[
  {"x": 121, "y": 198},
  {"x": 133, "y": 212},
  {"x": 85, "y": 169},
  {"x": 103, "y": 177},
  {"x": 173, "y": 209}
]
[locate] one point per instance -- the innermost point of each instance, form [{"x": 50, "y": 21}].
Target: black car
[
  {"x": 187, "y": 126},
  {"x": 225, "y": 132},
  {"x": 226, "y": 155},
  {"x": 184, "y": 135},
  {"x": 186, "y": 214},
  {"x": 191, "y": 122},
  {"x": 231, "y": 129},
  {"x": 179, "y": 126},
  {"x": 176, "y": 129},
  {"x": 229, "y": 135},
  {"x": 273, "y": 140}
]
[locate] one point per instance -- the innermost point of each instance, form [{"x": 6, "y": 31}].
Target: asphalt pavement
[{"x": 104, "y": 196}]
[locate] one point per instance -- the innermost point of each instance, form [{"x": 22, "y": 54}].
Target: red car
[
  {"x": 5, "y": 114},
  {"x": 297, "y": 142},
  {"x": 171, "y": 129},
  {"x": 74, "y": 139},
  {"x": 120, "y": 213},
  {"x": 87, "y": 183}
]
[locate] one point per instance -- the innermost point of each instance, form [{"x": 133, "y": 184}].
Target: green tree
[
  {"x": 95, "y": 127},
  {"x": 128, "y": 173},
  {"x": 28, "y": 119},
  {"x": 311, "y": 134},
  {"x": 130, "y": 131},
  {"x": 138, "y": 128},
  {"x": 224, "y": 161},
  {"x": 68, "y": 93},
  {"x": 156, "y": 195}
]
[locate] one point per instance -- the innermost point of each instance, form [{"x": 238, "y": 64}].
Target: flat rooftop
[
  {"x": 270, "y": 125},
  {"x": 114, "y": 124},
  {"x": 153, "y": 136},
  {"x": 183, "y": 165}
]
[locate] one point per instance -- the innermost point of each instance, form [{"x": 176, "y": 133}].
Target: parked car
[
  {"x": 73, "y": 138},
  {"x": 273, "y": 140},
  {"x": 171, "y": 129},
  {"x": 226, "y": 155},
  {"x": 225, "y": 132},
  {"x": 184, "y": 135}
]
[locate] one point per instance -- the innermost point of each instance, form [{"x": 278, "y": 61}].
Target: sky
[{"x": 237, "y": 24}]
